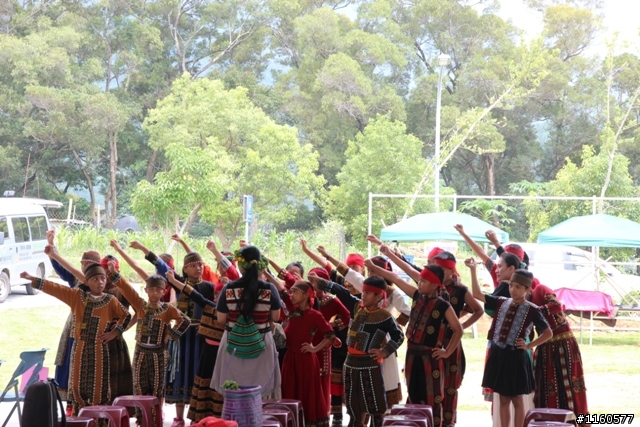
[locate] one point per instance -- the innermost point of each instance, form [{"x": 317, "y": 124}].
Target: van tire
[
  {"x": 5, "y": 287},
  {"x": 39, "y": 273}
]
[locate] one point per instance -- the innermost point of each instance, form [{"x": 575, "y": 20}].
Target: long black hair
[{"x": 249, "y": 280}]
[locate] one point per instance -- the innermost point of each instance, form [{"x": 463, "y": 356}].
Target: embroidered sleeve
[
  {"x": 63, "y": 293},
  {"x": 128, "y": 292},
  {"x": 342, "y": 268},
  {"x": 396, "y": 335},
  {"x": 182, "y": 323},
  {"x": 197, "y": 297},
  {"x": 289, "y": 279},
  {"x": 539, "y": 321},
  {"x": 122, "y": 315},
  {"x": 552, "y": 306}
]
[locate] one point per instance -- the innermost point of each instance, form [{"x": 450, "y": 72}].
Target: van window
[
  {"x": 4, "y": 227},
  {"x": 38, "y": 226},
  {"x": 20, "y": 229}
]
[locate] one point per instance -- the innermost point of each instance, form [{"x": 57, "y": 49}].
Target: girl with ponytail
[{"x": 248, "y": 303}]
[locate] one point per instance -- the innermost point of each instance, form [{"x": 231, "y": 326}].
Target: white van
[
  {"x": 23, "y": 236},
  {"x": 560, "y": 266}
]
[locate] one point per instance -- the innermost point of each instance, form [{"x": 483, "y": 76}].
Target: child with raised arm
[
  {"x": 430, "y": 318},
  {"x": 508, "y": 371},
  {"x": 98, "y": 319},
  {"x": 154, "y": 327}
]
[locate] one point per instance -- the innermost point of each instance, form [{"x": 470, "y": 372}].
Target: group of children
[{"x": 328, "y": 340}]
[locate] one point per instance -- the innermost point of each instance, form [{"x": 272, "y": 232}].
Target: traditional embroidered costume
[
  {"x": 89, "y": 382},
  {"x": 303, "y": 373},
  {"x": 364, "y": 383},
  {"x": 558, "y": 363},
  {"x": 150, "y": 355},
  {"x": 262, "y": 370},
  {"x": 424, "y": 373},
  {"x": 508, "y": 370}
]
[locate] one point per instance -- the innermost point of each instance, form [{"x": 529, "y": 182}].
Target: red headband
[
  {"x": 519, "y": 252},
  {"x": 430, "y": 276},
  {"x": 445, "y": 263},
  {"x": 104, "y": 262},
  {"x": 376, "y": 290},
  {"x": 355, "y": 259},
  {"x": 310, "y": 292},
  {"x": 320, "y": 272},
  {"x": 435, "y": 251}
]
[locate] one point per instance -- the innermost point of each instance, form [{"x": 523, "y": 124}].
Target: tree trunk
[
  {"x": 489, "y": 162},
  {"x": 92, "y": 196},
  {"x": 151, "y": 166}
]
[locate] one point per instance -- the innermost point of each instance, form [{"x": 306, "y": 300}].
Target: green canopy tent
[
  {"x": 599, "y": 230},
  {"x": 439, "y": 226}
]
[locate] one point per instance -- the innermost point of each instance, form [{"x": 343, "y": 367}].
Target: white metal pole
[
  {"x": 436, "y": 156},
  {"x": 369, "y": 229}
]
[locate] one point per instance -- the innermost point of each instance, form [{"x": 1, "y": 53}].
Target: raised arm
[
  {"x": 475, "y": 287},
  {"x": 314, "y": 256},
  {"x": 404, "y": 286},
  {"x": 325, "y": 254},
  {"x": 405, "y": 266},
  {"x": 136, "y": 267},
  {"x": 475, "y": 247},
  {"x": 185, "y": 246},
  {"x": 52, "y": 253},
  {"x": 161, "y": 266}
]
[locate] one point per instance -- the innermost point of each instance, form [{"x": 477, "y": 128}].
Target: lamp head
[{"x": 444, "y": 60}]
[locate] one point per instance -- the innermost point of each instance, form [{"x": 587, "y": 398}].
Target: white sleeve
[
  {"x": 355, "y": 278},
  {"x": 398, "y": 302}
]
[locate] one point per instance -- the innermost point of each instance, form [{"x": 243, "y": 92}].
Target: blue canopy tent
[
  {"x": 439, "y": 226},
  {"x": 599, "y": 230}
]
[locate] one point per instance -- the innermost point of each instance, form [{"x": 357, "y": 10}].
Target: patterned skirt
[
  {"x": 454, "y": 368},
  {"x": 120, "y": 373},
  {"x": 425, "y": 382},
  {"x": 559, "y": 375},
  {"x": 184, "y": 356},
  {"x": 205, "y": 401},
  {"x": 150, "y": 365},
  {"x": 363, "y": 386}
]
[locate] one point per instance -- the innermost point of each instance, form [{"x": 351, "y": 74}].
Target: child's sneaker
[{"x": 178, "y": 422}]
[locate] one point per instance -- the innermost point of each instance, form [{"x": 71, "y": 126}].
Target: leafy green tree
[
  {"x": 383, "y": 160},
  {"x": 252, "y": 154}
]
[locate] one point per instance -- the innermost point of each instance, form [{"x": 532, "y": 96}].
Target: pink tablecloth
[{"x": 575, "y": 300}]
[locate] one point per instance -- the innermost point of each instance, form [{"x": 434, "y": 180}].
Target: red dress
[{"x": 301, "y": 371}]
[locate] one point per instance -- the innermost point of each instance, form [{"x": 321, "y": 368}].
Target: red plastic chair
[
  {"x": 149, "y": 405},
  {"x": 295, "y": 406},
  {"x": 284, "y": 416},
  {"x": 405, "y": 420},
  {"x": 80, "y": 422},
  {"x": 118, "y": 416},
  {"x": 414, "y": 409},
  {"x": 549, "y": 414}
]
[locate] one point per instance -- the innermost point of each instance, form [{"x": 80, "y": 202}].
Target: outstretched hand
[
  {"x": 115, "y": 245},
  {"x": 303, "y": 244},
  {"x": 211, "y": 245},
  {"x": 374, "y": 239},
  {"x": 136, "y": 245},
  {"x": 242, "y": 243},
  {"x": 49, "y": 250},
  {"x": 471, "y": 263},
  {"x": 385, "y": 250},
  {"x": 459, "y": 228},
  {"x": 111, "y": 265},
  {"x": 322, "y": 251},
  {"x": 26, "y": 276},
  {"x": 368, "y": 263},
  {"x": 51, "y": 236}
]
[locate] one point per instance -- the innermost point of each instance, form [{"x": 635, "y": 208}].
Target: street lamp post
[{"x": 443, "y": 61}]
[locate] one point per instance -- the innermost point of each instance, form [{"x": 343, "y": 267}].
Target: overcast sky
[{"x": 620, "y": 15}]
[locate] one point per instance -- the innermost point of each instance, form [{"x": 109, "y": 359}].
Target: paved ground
[{"x": 466, "y": 418}]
